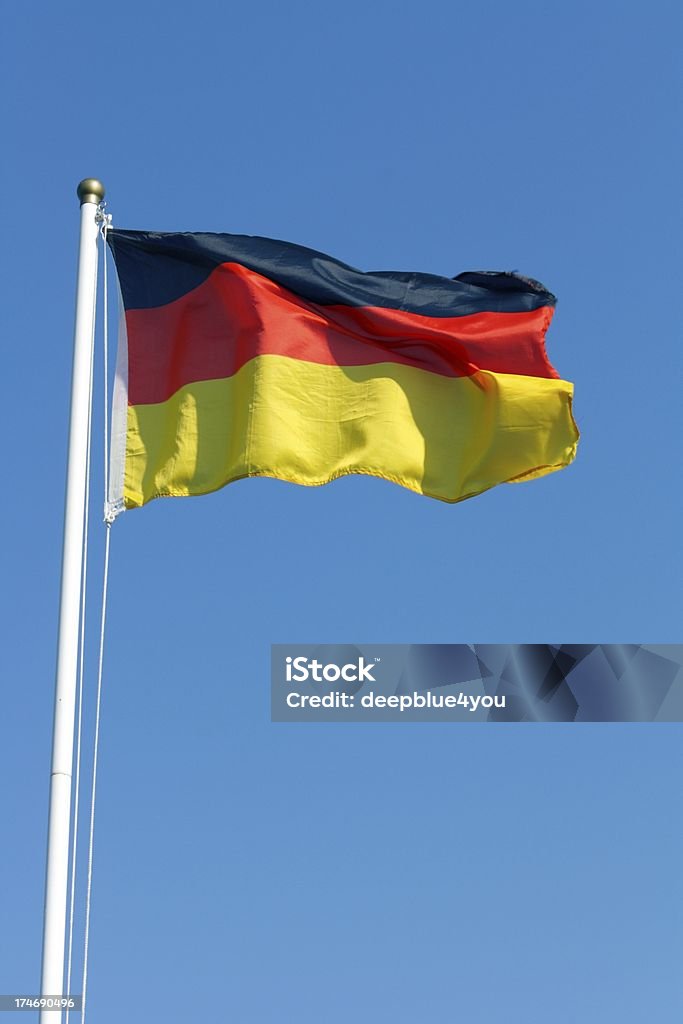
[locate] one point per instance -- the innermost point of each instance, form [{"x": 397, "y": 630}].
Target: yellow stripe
[{"x": 447, "y": 437}]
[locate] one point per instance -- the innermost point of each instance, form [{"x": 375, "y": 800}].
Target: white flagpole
[{"x": 90, "y": 192}]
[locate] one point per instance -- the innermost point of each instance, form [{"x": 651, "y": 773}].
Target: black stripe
[{"x": 155, "y": 268}]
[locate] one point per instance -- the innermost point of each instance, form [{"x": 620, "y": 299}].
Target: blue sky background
[{"x": 257, "y": 873}]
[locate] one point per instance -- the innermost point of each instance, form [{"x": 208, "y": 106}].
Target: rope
[
  {"x": 106, "y": 224},
  {"x": 88, "y": 895},
  {"x": 84, "y": 577},
  {"x": 105, "y": 221}
]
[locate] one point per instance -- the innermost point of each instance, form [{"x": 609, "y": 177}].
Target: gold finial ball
[{"x": 90, "y": 190}]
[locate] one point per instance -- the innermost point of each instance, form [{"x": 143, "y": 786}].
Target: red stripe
[{"x": 236, "y": 314}]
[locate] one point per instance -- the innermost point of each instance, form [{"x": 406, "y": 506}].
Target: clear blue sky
[{"x": 253, "y": 873}]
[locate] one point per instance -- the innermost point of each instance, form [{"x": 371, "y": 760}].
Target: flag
[{"x": 242, "y": 356}]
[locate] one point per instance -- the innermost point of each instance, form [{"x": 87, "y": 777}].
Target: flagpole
[{"x": 90, "y": 192}]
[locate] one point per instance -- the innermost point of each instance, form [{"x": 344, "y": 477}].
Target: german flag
[{"x": 242, "y": 356}]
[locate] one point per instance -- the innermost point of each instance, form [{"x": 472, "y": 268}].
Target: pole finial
[{"x": 90, "y": 190}]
